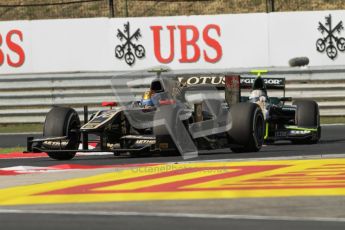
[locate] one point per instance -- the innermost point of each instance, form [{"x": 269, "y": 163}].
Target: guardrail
[{"x": 26, "y": 98}]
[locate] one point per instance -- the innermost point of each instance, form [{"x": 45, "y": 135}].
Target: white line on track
[
  {"x": 94, "y": 153},
  {"x": 173, "y": 215},
  {"x": 17, "y": 134},
  {"x": 299, "y": 157},
  {"x": 335, "y": 124}
]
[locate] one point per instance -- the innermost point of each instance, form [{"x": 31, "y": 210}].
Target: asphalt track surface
[
  {"x": 332, "y": 144},
  {"x": 15, "y": 139},
  {"x": 67, "y": 221}
]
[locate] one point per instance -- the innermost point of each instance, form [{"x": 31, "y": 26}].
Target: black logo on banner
[
  {"x": 129, "y": 49},
  {"x": 330, "y": 43}
]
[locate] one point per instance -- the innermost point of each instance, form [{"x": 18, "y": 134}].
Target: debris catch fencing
[{"x": 54, "y": 9}]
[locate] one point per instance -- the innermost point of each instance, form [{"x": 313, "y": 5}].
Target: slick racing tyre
[
  {"x": 308, "y": 116},
  {"x": 248, "y": 127},
  {"x": 61, "y": 121}
]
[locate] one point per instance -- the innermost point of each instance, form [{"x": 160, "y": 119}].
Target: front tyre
[
  {"x": 248, "y": 127},
  {"x": 308, "y": 116},
  {"x": 61, "y": 121}
]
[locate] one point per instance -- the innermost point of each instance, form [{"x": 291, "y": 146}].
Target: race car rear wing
[
  {"x": 232, "y": 84},
  {"x": 218, "y": 80}
]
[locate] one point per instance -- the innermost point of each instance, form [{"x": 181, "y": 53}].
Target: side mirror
[
  {"x": 111, "y": 104},
  {"x": 284, "y": 99}
]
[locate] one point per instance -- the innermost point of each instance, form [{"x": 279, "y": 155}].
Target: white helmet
[{"x": 256, "y": 94}]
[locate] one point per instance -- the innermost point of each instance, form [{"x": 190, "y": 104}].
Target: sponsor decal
[
  {"x": 268, "y": 81},
  {"x": 207, "y": 180},
  {"x": 330, "y": 42},
  {"x": 281, "y": 134},
  {"x": 139, "y": 137},
  {"x": 129, "y": 50},
  {"x": 200, "y": 80},
  {"x": 15, "y": 56},
  {"x": 290, "y": 108},
  {"x": 145, "y": 142},
  {"x": 190, "y": 45},
  {"x": 220, "y": 80}
]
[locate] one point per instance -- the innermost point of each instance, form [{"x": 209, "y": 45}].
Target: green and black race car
[{"x": 299, "y": 122}]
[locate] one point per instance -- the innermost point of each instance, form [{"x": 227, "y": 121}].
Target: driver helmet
[
  {"x": 258, "y": 95},
  {"x": 147, "y": 98}
]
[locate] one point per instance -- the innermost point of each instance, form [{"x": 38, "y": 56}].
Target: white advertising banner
[
  {"x": 318, "y": 35},
  {"x": 194, "y": 42},
  {"x": 184, "y": 42}
]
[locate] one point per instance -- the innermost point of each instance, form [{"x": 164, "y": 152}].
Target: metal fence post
[
  {"x": 111, "y": 8},
  {"x": 269, "y": 6},
  {"x": 272, "y": 6},
  {"x": 126, "y": 8}
]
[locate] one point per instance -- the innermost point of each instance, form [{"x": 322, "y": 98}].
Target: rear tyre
[
  {"x": 248, "y": 127},
  {"x": 308, "y": 116},
  {"x": 61, "y": 121}
]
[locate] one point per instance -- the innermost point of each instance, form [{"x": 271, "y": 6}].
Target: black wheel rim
[
  {"x": 72, "y": 134},
  {"x": 259, "y": 129}
]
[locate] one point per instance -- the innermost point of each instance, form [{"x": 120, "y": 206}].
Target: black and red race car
[{"x": 173, "y": 116}]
